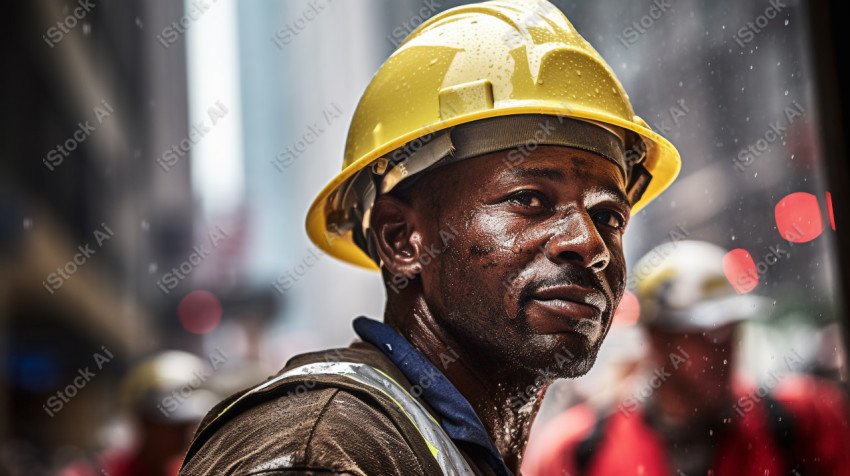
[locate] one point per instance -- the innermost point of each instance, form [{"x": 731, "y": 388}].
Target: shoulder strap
[
  {"x": 587, "y": 447},
  {"x": 780, "y": 423},
  {"x": 443, "y": 449}
]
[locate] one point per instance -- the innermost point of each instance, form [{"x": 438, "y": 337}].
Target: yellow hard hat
[{"x": 472, "y": 63}]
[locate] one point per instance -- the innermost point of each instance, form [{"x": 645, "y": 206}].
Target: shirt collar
[{"x": 457, "y": 417}]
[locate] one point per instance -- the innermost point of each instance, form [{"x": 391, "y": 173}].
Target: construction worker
[
  {"x": 693, "y": 415},
  {"x": 490, "y": 169},
  {"x": 166, "y": 395}
]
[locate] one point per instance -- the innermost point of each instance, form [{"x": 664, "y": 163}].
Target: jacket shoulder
[
  {"x": 318, "y": 423},
  {"x": 326, "y": 429}
]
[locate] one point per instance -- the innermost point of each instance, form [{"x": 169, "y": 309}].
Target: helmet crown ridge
[{"x": 476, "y": 62}]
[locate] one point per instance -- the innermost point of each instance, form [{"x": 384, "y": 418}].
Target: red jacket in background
[{"x": 629, "y": 446}]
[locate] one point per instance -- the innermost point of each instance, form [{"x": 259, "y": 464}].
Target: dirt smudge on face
[{"x": 480, "y": 250}]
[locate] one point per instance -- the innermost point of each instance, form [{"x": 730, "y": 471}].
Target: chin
[
  {"x": 581, "y": 368},
  {"x": 564, "y": 355}
]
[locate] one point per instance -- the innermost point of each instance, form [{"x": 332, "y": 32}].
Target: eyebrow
[
  {"x": 616, "y": 194},
  {"x": 551, "y": 174},
  {"x": 557, "y": 175}
]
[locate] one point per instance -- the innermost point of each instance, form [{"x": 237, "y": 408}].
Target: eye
[
  {"x": 610, "y": 219},
  {"x": 527, "y": 199}
]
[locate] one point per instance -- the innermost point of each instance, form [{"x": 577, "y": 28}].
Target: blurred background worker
[
  {"x": 692, "y": 414},
  {"x": 167, "y": 396}
]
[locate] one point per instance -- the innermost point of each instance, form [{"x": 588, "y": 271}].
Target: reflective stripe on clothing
[
  {"x": 457, "y": 417},
  {"x": 448, "y": 457}
]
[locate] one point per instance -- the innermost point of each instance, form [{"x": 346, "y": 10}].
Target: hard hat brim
[
  {"x": 662, "y": 161},
  {"x": 715, "y": 313}
]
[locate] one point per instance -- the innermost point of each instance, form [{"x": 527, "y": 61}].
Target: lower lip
[{"x": 554, "y": 316}]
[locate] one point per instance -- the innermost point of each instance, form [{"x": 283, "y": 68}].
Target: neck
[
  {"x": 505, "y": 402},
  {"x": 668, "y": 401},
  {"x": 678, "y": 402}
]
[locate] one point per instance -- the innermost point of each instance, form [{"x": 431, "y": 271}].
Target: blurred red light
[
  {"x": 798, "y": 217},
  {"x": 199, "y": 312},
  {"x": 740, "y": 270},
  {"x": 829, "y": 210}
]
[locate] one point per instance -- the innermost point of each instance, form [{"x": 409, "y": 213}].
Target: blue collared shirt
[{"x": 457, "y": 417}]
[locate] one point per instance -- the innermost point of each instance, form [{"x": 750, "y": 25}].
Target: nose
[{"x": 576, "y": 240}]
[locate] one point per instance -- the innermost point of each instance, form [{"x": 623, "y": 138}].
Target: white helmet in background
[
  {"x": 682, "y": 286},
  {"x": 170, "y": 387}
]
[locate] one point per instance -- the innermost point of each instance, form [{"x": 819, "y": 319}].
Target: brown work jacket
[{"x": 327, "y": 425}]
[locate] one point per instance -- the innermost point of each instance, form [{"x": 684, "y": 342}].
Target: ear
[{"x": 397, "y": 230}]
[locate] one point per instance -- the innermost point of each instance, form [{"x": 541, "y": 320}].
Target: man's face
[
  {"x": 530, "y": 265},
  {"x": 704, "y": 379}
]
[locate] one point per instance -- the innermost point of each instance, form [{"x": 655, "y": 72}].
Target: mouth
[{"x": 566, "y": 308}]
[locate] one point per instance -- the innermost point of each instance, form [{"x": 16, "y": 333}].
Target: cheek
[
  {"x": 615, "y": 273},
  {"x": 503, "y": 254},
  {"x": 487, "y": 240},
  {"x": 487, "y": 256},
  {"x": 493, "y": 231}
]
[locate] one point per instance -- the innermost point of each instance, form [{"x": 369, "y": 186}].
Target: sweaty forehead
[
  {"x": 461, "y": 182},
  {"x": 564, "y": 165}
]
